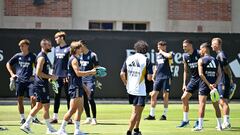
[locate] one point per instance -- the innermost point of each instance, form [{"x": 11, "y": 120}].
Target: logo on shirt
[{"x": 211, "y": 64}]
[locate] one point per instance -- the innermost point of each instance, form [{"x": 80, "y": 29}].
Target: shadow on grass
[
  {"x": 112, "y": 124},
  {"x": 234, "y": 129},
  {"x": 86, "y": 133}
]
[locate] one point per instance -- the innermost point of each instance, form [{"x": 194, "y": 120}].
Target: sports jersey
[
  {"x": 61, "y": 56},
  {"x": 163, "y": 69},
  {"x": 74, "y": 80},
  {"x": 88, "y": 62},
  {"x": 46, "y": 66},
  {"x": 192, "y": 62},
  {"x": 222, "y": 59},
  {"x": 137, "y": 66},
  {"x": 23, "y": 66}
]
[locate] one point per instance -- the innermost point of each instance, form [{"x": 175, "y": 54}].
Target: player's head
[
  {"x": 216, "y": 44},
  {"x": 187, "y": 45},
  {"x": 46, "y": 45},
  {"x": 24, "y": 45},
  {"x": 162, "y": 45},
  {"x": 60, "y": 37},
  {"x": 204, "y": 49},
  {"x": 84, "y": 44},
  {"x": 141, "y": 47},
  {"x": 76, "y": 48}
]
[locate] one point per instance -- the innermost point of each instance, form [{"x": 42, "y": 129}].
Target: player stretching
[
  {"x": 190, "y": 59},
  {"x": 226, "y": 81},
  {"x": 75, "y": 88},
  {"x": 162, "y": 80},
  {"x": 133, "y": 77},
  {"x": 41, "y": 88},
  {"x": 210, "y": 73},
  {"x": 23, "y": 63}
]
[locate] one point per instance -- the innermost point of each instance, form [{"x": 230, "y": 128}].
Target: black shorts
[
  {"x": 24, "y": 87},
  {"x": 162, "y": 84},
  {"x": 193, "y": 85},
  {"x": 75, "y": 92},
  {"x": 204, "y": 90},
  {"x": 90, "y": 85},
  {"x": 42, "y": 94},
  {"x": 136, "y": 100},
  {"x": 224, "y": 90}
]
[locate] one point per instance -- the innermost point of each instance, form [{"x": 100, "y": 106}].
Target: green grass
[{"x": 113, "y": 120}]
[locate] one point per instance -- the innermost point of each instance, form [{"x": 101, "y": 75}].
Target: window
[
  {"x": 134, "y": 26},
  {"x": 101, "y": 25},
  {"x": 38, "y": 2}
]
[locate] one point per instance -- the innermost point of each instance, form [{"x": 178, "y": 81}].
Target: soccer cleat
[
  {"x": 183, "y": 124},
  {"x": 22, "y": 121},
  {"x": 163, "y": 117},
  {"x": 232, "y": 90},
  {"x": 3, "y": 128},
  {"x": 87, "y": 121},
  {"x": 54, "y": 121},
  {"x": 137, "y": 133},
  {"x": 70, "y": 121},
  {"x": 226, "y": 125},
  {"x": 61, "y": 132},
  {"x": 94, "y": 121},
  {"x": 150, "y": 118},
  {"x": 129, "y": 133},
  {"x": 219, "y": 128},
  {"x": 36, "y": 121},
  {"x": 78, "y": 132},
  {"x": 195, "y": 124},
  {"x": 51, "y": 131},
  {"x": 197, "y": 129},
  {"x": 26, "y": 129}
]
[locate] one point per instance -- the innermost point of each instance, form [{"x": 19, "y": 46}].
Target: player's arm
[
  {"x": 154, "y": 72},
  {"x": 95, "y": 60},
  {"x": 201, "y": 75},
  {"x": 149, "y": 69},
  {"x": 9, "y": 67},
  {"x": 185, "y": 74},
  {"x": 79, "y": 73},
  {"x": 39, "y": 68},
  {"x": 227, "y": 70},
  {"x": 219, "y": 76},
  {"x": 123, "y": 74},
  {"x": 165, "y": 54}
]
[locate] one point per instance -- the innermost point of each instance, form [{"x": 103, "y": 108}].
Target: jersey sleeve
[
  {"x": 149, "y": 67},
  {"x": 223, "y": 59},
  {"x": 124, "y": 67},
  {"x": 13, "y": 60},
  {"x": 95, "y": 59}
]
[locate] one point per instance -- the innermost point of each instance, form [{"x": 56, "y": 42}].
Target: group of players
[
  {"x": 74, "y": 70},
  {"x": 207, "y": 74}
]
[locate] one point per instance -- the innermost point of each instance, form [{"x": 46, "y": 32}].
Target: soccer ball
[{"x": 214, "y": 95}]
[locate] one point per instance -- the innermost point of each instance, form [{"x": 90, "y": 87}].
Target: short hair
[
  {"x": 218, "y": 39},
  {"x": 187, "y": 41},
  {"x": 205, "y": 45},
  {"x": 141, "y": 47},
  {"x": 162, "y": 43},
  {"x": 24, "y": 41},
  {"x": 44, "y": 41},
  {"x": 74, "y": 46},
  {"x": 60, "y": 34},
  {"x": 83, "y": 42}
]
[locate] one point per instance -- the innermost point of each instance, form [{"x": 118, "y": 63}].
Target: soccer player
[
  {"x": 132, "y": 75},
  {"x": 210, "y": 73},
  {"x": 190, "y": 60},
  {"x": 88, "y": 61},
  {"x": 226, "y": 81},
  {"x": 41, "y": 88},
  {"x": 75, "y": 87},
  {"x": 23, "y": 63},
  {"x": 61, "y": 56},
  {"x": 162, "y": 80}
]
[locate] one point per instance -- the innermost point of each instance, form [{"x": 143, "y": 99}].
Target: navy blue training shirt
[
  {"x": 163, "y": 67},
  {"x": 74, "y": 80},
  {"x": 222, "y": 59}
]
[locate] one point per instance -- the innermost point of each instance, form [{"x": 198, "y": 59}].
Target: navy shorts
[
  {"x": 193, "y": 85},
  {"x": 136, "y": 100},
  {"x": 162, "y": 84},
  {"x": 42, "y": 94},
  {"x": 75, "y": 92},
  {"x": 24, "y": 87},
  {"x": 224, "y": 90},
  {"x": 204, "y": 90},
  {"x": 90, "y": 85}
]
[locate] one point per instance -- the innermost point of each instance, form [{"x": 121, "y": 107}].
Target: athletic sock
[
  {"x": 152, "y": 111},
  {"x": 22, "y": 116},
  {"x": 219, "y": 121},
  {"x": 77, "y": 125},
  {"x": 28, "y": 120},
  {"x": 55, "y": 116},
  {"x": 165, "y": 111},
  {"x": 63, "y": 125},
  {"x": 185, "y": 116},
  {"x": 226, "y": 119},
  {"x": 200, "y": 124},
  {"x": 49, "y": 126}
]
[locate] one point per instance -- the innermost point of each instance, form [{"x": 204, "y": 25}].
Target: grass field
[{"x": 113, "y": 120}]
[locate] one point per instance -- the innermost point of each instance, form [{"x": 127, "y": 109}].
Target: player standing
[
  {"x": 190, "y": 61},
  {"x": 226, "y": 81},
  {"x": 162, "y": 80},
  {"x": 133, "y": 77},
  {"x": 23, "y": 63}
]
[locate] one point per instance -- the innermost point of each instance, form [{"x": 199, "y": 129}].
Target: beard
[{"x": 48, "y": 50}]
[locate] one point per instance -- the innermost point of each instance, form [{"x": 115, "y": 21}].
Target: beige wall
[
  {"x": 236, "y": 16},
  {"x": 1, "y": 12}
]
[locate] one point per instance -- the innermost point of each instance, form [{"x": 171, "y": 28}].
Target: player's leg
[
  {"x": 50, "y": 129},
  {"x": 78, "y": 115},
  {"x": 93, "y": 104},
  {"x": 218, "y": 115},
  {"x": 20, "y": 98},
  {"x": 201, "y": 112},
  {"x": 65, "y": 87},
  {"x": 166, "y": 90},
  {"x": 139, "y": 109},
  {"x": 133, "y": 119},
  {"x": 57, "y": 97},
  {"x": 87, "y": 109}
]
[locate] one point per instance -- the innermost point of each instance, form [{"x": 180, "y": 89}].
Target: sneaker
[
  {"x": 87, "y": 121},
  {"x": 3, "y": 128},
  {"x": 219, "y": 128},
  {"x": 94, "y": 121},
  {"x": 183, "y": 124},
  {"x": 22, "y": 121},
  {"x": 61, "y": 132},
  {"x": 53, "y": 121},
  {"x": 137, "y": 133},
  {"x": 78, "y": 132},
  {"x": 129, "y": 133},
  {"x": 197, "y": 129},
  {"x": 163, "y": 117},
  {"x": 232, "y": 90},
  {"x": 150, "y": 118},
  {"x": 26, "y": 129},
  {"x": 36, "y": 121},
  {"x": 70, "y": 121},
  {"x": 195, "y": 124},
  {"x": 51, "y": 131},
  {"x": 226, "y": 125}
]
